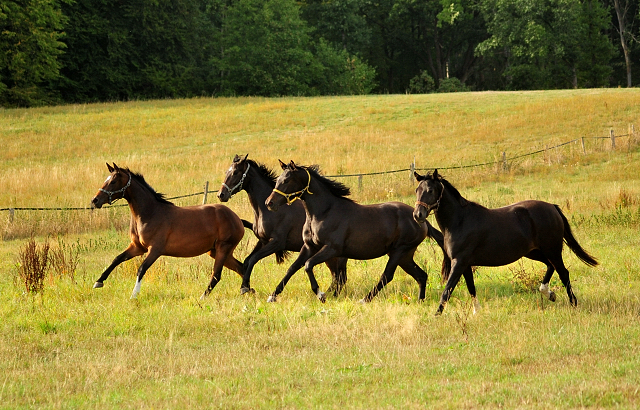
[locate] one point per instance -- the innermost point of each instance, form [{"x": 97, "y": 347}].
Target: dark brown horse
[
  {"x": 475, "y": 235},
  {"x": 338, "y": 226},
  {"x": 158, "y": 227},
  {"x": 277, "y": 232}
]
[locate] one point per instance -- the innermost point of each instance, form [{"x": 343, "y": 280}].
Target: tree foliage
[{"x": 104, "y": 50}]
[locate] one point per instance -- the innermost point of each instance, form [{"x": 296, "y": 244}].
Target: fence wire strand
[{"x": 484, "y": 164}]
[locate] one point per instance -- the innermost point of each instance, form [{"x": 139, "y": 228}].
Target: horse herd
[{"x": 325, "y": 226}]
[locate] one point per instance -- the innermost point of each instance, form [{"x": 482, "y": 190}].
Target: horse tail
[
  {"x": 573, "y": 244},
  {"x": 247, "y": 224},
  {"x": 281, "y": 256},
  {"x": 437, "y": 236}
]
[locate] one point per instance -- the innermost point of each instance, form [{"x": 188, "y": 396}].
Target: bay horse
[
  {"x": 336, "y": 226},
  {"x": 475, "y": 235},
  {"x": 277, "y": 232},
  {"x": 158, "y": 227}
]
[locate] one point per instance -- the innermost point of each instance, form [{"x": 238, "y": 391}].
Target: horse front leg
[
  {"x": 471, "y": 287},
  {"x": 338, "y": 269},
  {"x": 261, "y": 251},
  {"x": 154, "y": 254},
  {"x": 387, "y": 276},
  {"x": 131, "y": 252},
  {"x": 305, "y": 253},
  {"x": 457, "y": 269},
  {"x": 325, "y": 253}
]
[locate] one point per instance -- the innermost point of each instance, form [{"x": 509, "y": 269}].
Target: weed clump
[{"x": 32, "y": 265}]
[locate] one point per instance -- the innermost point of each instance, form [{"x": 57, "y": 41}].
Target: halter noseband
[
  {"x": 435, "y": 205},
  {"x": 121, "y": 190},
  {"x": 238, "y": 186},
  {"x": 288, "y": 196}
]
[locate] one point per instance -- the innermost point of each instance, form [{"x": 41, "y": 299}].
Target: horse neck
[
  {"x": 448, "y": 214},
  {"x": 319, "y": 199},
  {"x": 142, "y": 202},
  {"x": 258, "y": 189}
]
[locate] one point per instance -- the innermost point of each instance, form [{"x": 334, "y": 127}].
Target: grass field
[{"x": 74, "y": 347}]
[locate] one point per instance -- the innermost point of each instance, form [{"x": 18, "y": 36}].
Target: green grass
[{"x": 75, "y": 347}]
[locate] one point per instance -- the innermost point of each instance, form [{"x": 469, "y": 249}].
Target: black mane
[
  {"x": 267, "y": 173},
  {"x": 336, "y": 188},
  {"x": 140, "y": 179},
  {"x": 456, "y": 194}
]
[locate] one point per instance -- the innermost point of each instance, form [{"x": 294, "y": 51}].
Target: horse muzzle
[
  {"x": 223, "y": 195},
  {"x": 96, "y": 203},
  {"x": 420, "y": 214}
]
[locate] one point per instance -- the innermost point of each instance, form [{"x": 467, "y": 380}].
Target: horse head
[
  {"x": 290, "y": 186},
  {"x": 234, "y": 178},
  {"x": 428, "y": 195},
  {"x": 113, "y": 188}
]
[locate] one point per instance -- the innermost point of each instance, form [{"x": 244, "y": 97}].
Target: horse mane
[
  {"x": 267, "y": 173},
  {"x": 456, "y": 194},
  {"x": 336, "y": 188},
  {"x": 140, "y": 179}
]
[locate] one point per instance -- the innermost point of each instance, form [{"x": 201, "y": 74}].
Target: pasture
[{"x": 71, "y": 346}]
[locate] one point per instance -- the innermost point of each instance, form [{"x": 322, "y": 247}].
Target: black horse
[
  {"x": 337, "y": 226},
  {"x": 277, "y": 233},
  {"x": 475, "y": 235}
]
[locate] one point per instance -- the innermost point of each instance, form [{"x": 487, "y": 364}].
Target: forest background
[{"x": 78, "y": 51}]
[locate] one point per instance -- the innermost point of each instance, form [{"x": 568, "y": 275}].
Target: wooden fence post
[
  {"x": 613, "y": 139},
  {"x": 360, "y": 182},
  {"x": 206, "y": 192},
  {"x": 504, "y": 161},
  {"x": 412, "y": 169},
  {"x": 11, "y": 214},
  {"x": 584, "y": 151}
]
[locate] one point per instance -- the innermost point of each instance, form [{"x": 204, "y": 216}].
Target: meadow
[{"x": 70, "y": 346}]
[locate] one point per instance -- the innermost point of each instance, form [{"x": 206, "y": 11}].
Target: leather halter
[
  {"x": 121, "y": 190},
  {"x": 434, "y": 207},
  {"x": 299, "y": 193},
  {"x": 238, "y": 186}
]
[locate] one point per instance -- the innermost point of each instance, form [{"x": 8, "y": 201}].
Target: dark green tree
[{"x": 30, "y": 34}]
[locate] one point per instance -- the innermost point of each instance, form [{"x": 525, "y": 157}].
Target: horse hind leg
[
  {"x": 416, "y": 272},
  {"x": 539, "y": 256},
  {"x": 222, "y": 252},
  {"x": 387, "y": 276},
  {"x": 338, "y": 269},
  {"x": 558, "y": 263}
]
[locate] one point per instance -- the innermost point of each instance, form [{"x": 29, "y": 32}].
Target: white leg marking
[
  {"x": 321, "y": 296},
  {"x": 476, "y": 305},
  {"x": 544, "y": 289},
  {"x": 362, "y": 301},
  {"x": 136, "y": 290},
  {"x": 271, "y": 299}
]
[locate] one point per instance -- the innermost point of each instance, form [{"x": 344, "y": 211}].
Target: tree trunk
[{"x": 622, "y": 15}]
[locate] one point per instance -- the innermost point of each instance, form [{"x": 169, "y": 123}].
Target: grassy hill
[{"x": 74, "y": 347}]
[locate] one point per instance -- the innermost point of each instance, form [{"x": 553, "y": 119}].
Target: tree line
[{"x": 76, "y": 51}]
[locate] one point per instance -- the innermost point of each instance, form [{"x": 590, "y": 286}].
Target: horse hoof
[
  {"x": 552, "y": 296},
  {"x": 98, "y": 285},
  {"x": 322, "y": 297},
  {"x": 247, "y": 290},
  {"x": 271, "y": 299},
  {"x": 362, "y": 301},
  {"x": 203, "y": 296}
]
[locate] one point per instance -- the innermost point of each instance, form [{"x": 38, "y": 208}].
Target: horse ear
[
  {"x": 282, "y": 165},
  {"x": 435, "y": 174},
  {"x": 292, "y": 165},
  {"x": 109, "y": 167},
  {"x": 418, "y": 176},
  {"x": 236, "y": 158},
  {"x": 115, "y": 167},
  {"x": 245, "y": 157}
]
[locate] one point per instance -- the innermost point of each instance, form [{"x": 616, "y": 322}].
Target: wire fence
[{"x": 504, "y": 161}]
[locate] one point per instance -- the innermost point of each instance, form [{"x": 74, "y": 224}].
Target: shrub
[
  {"x": 452, "y": 85},
  {"x": 423, "y": 83}
]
